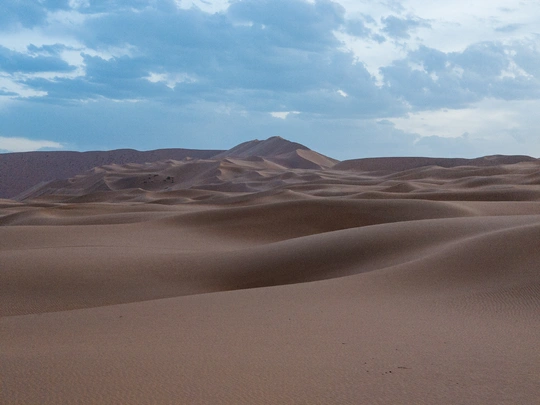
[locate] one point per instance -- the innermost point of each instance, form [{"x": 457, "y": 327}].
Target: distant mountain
[
  {"x": 288, "y": 154},
  {"x": 244, "y": 168},
  {"x": 249, "y": 167},
  {"x": 23, "y": 175},
  {"x": 399, "y": 164},
  {"x": 270, "y": 147}
]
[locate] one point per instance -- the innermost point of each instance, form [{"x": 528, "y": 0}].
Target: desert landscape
[{"x": 268, "y": 274}]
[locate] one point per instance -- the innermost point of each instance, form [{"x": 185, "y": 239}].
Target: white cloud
[
  {"x": 488, "y": 120},
  {"x": 38, "y": 36},
  {"x": 79, "y": 3},
  {"x": 371, "y": 54},
  {"x": 7, "y": 84},
  {"x": 342, "y": 93},
  {"x": 8, "y": 144},
  {"x": 170, "y": 79},
  {"x": 283, "y": 114},
  {"x": 214, "y": 6},
  {"x": 454, "y": 26},
  {"x": 63, "y": 18}
]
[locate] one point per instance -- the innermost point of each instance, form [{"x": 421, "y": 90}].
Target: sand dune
[
  {"x": 407, "y": 163},
  {"x": 270, "y": 147},
  {"x": 272, "y": 275},
  {"x": 20, "y": 171}
]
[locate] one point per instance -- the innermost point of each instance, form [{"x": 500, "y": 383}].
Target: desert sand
[{"x": 271, "y": 274}]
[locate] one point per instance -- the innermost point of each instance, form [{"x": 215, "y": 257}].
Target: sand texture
[{"x": 271, "y": 274}]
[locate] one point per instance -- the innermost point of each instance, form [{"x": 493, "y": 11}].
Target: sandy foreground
[{"x": 323, "y": 287}]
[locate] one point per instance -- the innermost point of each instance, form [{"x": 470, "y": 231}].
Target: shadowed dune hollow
[{"x": 268, "y": 274}]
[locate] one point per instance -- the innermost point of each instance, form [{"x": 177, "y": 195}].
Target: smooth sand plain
[{"x": 254, "y": 281}]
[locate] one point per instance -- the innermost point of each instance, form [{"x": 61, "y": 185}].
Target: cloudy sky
[{"x": 348, "y": 78}]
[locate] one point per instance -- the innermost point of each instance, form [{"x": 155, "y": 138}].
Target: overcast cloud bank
[{"x": 348, "y": 78}]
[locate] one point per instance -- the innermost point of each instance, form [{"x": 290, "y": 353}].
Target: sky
[{"x": 347, "y": 78}]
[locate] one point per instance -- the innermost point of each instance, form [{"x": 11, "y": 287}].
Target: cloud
[
  {"x": 482, "y": 117},
  {"x": 491, "y": 126},
  {"x": 399, "y": 28},
  {"x": 485, "y": 58},
  {"x": 28, "y": 13},
  {"x": 297, "y": 22},
  {"x": 11, "y": 62},
  {"x": 360, "y": 28},
  {"x": 136, "y": 72},
  {"x": 283, "y": 114},
  {"x": 423, "y": 90},
  {"x": 508, "y": 28},
  {"x": 460, "y": 146},
  {"x": 207, "y": 6},
  {"x": 527, "y": 56},
  {"x": 429, "y": 79},
  {"x": 263, "y": 55},
  {"x": 8, "y": 144}
]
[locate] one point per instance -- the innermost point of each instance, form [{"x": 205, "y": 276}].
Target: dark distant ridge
[
  {"x": 23, "y": 174},
  {"x": 281, "y": 151},
  {"x": 270, "y": 147},
  {"x": 20, "y": 171},
  {"x": 399, "y": 164}
]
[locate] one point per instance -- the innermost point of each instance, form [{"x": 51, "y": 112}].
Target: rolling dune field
[{"x": 272, "y": 275}]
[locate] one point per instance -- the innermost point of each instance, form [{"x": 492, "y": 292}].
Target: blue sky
[{"x": 348, "y": 78}]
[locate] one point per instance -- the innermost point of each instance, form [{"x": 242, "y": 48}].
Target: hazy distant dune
[
  {"x": 398, "y": 164},
  {"x": 20, "y": 171}
]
